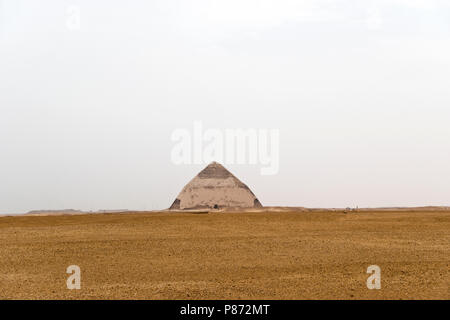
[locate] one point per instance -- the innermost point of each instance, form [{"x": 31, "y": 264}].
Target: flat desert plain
[{"x": 265, "y": 255}]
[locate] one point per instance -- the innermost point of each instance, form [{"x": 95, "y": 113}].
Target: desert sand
[{"x": 290, "y": 254}]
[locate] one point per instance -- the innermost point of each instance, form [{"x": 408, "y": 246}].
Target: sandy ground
[{"x": 288, "y": 255}]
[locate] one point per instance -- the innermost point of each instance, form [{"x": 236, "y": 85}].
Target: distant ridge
[
  {"x": 69, "y": 212},
  {"x": 54, "y": 212},
  {"x": 273, "y": 209}
]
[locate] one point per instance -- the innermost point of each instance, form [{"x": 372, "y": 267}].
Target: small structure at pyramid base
[{"x": 215, "y": 188}]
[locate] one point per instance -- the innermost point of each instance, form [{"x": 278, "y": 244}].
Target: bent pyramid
[{"x": 215, "y": 187}]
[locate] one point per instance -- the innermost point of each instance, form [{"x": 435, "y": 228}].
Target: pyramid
[{"x": 213, "y": 188}]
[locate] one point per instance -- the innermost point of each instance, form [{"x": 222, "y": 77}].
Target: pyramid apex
[{"x": 214, "y": 170}]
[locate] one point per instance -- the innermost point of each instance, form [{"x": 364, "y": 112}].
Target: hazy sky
[{"x": 360, "y": 91}]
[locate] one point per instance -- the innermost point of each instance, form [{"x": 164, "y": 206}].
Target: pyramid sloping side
[{"x": 215, "y": 187}]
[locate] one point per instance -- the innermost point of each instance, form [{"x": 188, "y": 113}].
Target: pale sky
[{"x": 360, "y": 91}]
